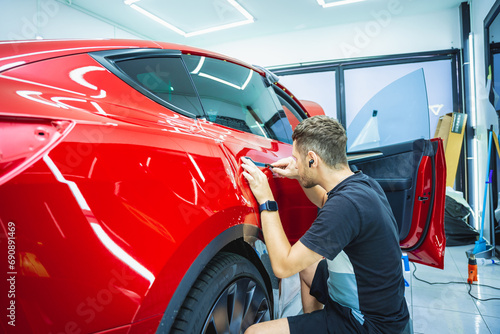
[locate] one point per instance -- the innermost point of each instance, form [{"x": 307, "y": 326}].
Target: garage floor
[{"x": 448, "y": 308}]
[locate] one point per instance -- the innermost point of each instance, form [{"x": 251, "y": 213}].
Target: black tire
[{"x": 228, "y": 296}]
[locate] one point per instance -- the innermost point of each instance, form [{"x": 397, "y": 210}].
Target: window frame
[
  {"x": 339, "y": 66},
  {"x": 301, "y": 112},
  {"x": 458, "y": 76}
]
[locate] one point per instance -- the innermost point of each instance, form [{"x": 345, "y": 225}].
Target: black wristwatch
[{"x": 269, "y": 206}]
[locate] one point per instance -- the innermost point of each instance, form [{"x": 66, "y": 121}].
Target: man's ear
[{"x": 312, "y": 159}]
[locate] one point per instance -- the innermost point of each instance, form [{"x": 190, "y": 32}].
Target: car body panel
[
  {"x": 150, "y": 163},
  {"x": 426, "y": 241},
  {"x": 112, "y": 252}
]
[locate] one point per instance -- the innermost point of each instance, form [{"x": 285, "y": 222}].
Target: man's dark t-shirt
[{"x": 356, "y": 232}]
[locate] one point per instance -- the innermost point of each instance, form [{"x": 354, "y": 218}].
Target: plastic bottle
[{"x": 485, "y": 262}]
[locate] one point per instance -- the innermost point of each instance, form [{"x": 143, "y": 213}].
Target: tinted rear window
[{"x": 166, "y": 78}]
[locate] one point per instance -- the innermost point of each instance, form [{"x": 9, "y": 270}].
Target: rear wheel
[{"x": 229, "y": 296}]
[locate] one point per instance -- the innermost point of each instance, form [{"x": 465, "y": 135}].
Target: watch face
[{"x": 273, "y": 206}]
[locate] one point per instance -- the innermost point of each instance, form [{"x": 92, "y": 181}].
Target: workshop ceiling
[{"x": 208, "y": 22}]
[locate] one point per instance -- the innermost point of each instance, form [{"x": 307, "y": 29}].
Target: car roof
[{"x": 15, "y": 53}]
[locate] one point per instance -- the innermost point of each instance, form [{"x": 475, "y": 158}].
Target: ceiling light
[
  {"x": 248, "y": 19},
  {"x": 157, "y": 19},
  {"x": 336, "y": 3}
]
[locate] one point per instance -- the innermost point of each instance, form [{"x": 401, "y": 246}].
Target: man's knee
[
  {"x": 272, "y": 327},
  {"x": 251, "y": 330}
]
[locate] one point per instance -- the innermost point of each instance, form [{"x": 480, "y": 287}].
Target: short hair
[{"x": 323, "y": 135}]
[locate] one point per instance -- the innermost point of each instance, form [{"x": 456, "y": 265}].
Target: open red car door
[{"x": 413, "y": 176}]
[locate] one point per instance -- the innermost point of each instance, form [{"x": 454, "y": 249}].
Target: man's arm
[
  {"x": 287, "y": 167},
  {"x": 286, "y": 260}
]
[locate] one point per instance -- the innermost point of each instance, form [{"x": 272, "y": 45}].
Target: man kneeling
[{"x": 349, "y": 260}]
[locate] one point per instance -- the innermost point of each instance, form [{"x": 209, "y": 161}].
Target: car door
[
  {"x": 413, "y": 176},
  {"x": 386, "y": 141}
]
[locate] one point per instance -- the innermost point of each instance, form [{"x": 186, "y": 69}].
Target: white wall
[
  {"x": 391, "y": 31},
  {"x": 22, "y": 19}
]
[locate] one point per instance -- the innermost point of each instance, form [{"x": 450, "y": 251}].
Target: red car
[{"x": 122, "y": 204}]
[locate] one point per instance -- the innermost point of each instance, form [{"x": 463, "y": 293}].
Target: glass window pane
[
  {"x": 166, "y": 78},
  {"x": 237, "y": 97},
  {"x": 292, "y": 114},
  {"x": 318, "y": 87},
  {"x": 396, "y": 103}
]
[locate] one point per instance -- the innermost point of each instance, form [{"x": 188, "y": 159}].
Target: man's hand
[
  {"x": 286, "y": 167},
  {"x": 285, "y": 260},
  {"x": 257, "y": 181}
]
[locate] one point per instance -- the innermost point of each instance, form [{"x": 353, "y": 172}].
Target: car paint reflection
[
  {"x": 98, "y": 230},
  {"x": 121, "y": 254}
]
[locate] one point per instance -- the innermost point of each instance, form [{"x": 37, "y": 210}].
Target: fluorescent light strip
[
  {"x": 103, "y": 237},
  {"x": 226, "y": 26},
  {"x": 39, "y": 84},
  {"x": 241, "y": 9},
  {"x": 199, "y": 66},
  {"x": 247, "y": 81},
  {"x": 475, "y": 141},
  {"x": 72, "y": 185},
  {"x": 196, "y": 167},
  {"x": 211, "y": 77},
  {"x": 77, "y": 75},
  {"x": 208, "y": 76},
  {"x": 52, "y": 51},
  {"x": 7, "y": 66},
  {"x": 336, "y": 3},
  {"x": 157, "y": 19},
  {"x": 122, "y": 254},
  {"x": 261, "y": 129},
  {"x": 237, "y": 6}
]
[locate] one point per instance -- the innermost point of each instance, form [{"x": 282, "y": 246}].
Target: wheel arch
[
  {"x": 240, "y": 239},
  {"x": 258, "y": 256}
]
